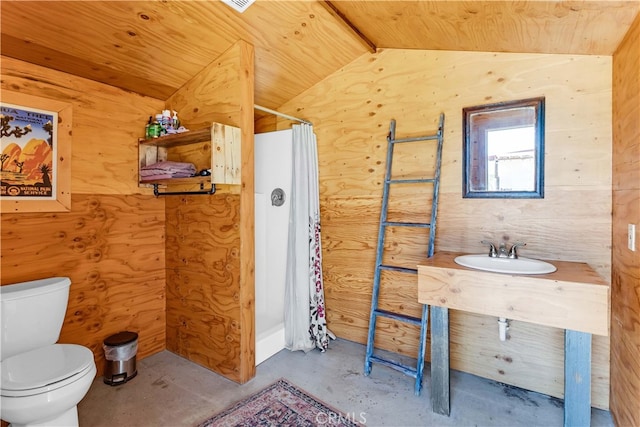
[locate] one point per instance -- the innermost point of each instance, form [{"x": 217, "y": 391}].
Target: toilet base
[
  {"x": 66, "y": 419},
  {"x": 50, "y": 408}
]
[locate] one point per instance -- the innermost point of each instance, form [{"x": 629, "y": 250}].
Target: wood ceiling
[{"x": 154, "y": 47}]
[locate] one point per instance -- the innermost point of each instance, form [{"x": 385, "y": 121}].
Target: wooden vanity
[{"x": 574, "y": 298}]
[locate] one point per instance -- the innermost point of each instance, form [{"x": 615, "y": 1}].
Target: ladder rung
[
  {"x": 411, "y": 181},
  {"x": 400, "y": 269},
  {"x": 408, "y": 370},
  {"x": 407, "y": 224},
  {"x": 416, "y": 139},
  {"x": 397, "y": 316}
]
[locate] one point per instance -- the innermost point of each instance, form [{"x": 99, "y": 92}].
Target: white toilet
[{"x": 41, "y": 381}]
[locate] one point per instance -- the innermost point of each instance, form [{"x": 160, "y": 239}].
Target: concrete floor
[{"x": 171, "y": 391}]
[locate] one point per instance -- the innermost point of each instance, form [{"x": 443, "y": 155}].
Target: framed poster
[{"x": 35, "y": 154}]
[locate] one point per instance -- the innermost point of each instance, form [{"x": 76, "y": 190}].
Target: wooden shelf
[
  {"x": 216, "y": 148},
  {"x": 178, "y": 139}
]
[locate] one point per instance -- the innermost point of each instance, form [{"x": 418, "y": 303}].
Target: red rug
[{"x": 280, "y": 404}]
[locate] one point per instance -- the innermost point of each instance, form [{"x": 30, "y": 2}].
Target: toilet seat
[{"x": 44, "y": 369}]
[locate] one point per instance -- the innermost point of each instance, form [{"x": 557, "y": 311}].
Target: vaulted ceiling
[{"x": 154, "y": 47}]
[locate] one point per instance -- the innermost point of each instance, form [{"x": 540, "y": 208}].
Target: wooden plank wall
[
  {"x": 351, "y": 111},
  {"x": 210, "y": 249},
  {"x": 625, "y": 298},
  {"x": 203, "y": 272},
  {"x": 111, "y": 244}
]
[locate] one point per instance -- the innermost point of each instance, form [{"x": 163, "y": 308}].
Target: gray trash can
[{"x": 120, "y": 357}]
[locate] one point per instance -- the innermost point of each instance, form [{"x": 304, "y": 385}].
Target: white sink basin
[{"x": 505, "y": 265}]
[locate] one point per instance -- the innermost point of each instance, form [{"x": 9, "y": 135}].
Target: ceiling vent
[{"x": 239, "y": 5}]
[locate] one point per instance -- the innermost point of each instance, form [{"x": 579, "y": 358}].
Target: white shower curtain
[{"x": 305, "y": 323}]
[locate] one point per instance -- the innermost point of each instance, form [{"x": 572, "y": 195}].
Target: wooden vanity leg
[
  {"x": 440, "y": 360},
  {"x": 577, "y": 378}
]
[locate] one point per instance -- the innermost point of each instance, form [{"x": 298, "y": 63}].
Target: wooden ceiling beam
[{"x": 333, "y": 10}]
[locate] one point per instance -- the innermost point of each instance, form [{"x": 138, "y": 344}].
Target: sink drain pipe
[{"x": 503, "y": 326}]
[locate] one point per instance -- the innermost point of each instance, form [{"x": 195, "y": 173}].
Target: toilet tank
[{"x": 31, "y": 314}]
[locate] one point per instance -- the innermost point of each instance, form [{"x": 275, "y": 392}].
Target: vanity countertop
[{"x": 573, "y": 297}]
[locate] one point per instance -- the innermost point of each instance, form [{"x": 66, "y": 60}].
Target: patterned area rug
[{"x": 280, "y": 404}]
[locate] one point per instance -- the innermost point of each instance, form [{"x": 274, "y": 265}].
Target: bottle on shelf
[
  {"x": 176, "y": 121},
  {"x": 147, "y": 127},
  {"x": 154, "y": 130}
]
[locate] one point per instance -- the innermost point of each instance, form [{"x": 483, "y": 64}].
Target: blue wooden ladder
[{"x": 415, "y": 372}]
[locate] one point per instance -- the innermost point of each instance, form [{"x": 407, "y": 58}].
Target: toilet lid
[{"x": 45, "y": 367}]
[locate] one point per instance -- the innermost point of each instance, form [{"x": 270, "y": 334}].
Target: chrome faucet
[
  {"x": 492, "y": 248},
  {"x": 502, "y": 251},
  {"x": 512, "y": 252}
]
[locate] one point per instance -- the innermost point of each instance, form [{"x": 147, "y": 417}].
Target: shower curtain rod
[{"x": 277, "y": 113}]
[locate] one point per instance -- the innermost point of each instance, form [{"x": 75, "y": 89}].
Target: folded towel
[
  {"x": 162, "y": 176},
  {"x": 172, "y": 169}
]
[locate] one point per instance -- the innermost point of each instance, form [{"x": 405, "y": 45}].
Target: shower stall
[{"x": 273, "y": 169}]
